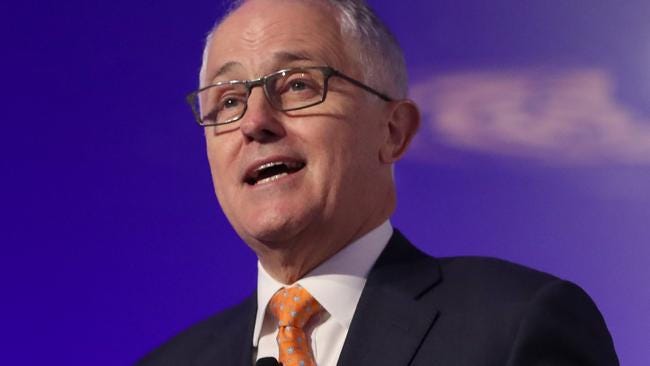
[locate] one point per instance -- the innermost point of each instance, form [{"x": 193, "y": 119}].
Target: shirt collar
[{"x": 336, "y": 283}]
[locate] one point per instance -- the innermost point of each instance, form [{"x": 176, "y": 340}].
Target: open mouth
[{"x": 269, "y": 172}]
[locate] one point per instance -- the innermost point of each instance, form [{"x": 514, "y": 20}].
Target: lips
[{"x": 271, "y": 170}]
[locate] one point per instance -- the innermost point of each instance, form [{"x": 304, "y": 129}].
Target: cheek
[
  {"x": 219, "y": 167},
  {"x": 340, "y": 155},
  {"x": 225, "y": 191},
  {"x": 221, "y": 153}
]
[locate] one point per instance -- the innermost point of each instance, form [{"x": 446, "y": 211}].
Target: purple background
[{"x": 112, "y": 239}]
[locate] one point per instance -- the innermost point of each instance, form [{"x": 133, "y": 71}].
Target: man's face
[{"x": 327, "y": 173}]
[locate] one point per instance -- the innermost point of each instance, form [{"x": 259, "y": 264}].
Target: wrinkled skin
[{"x": 347, "y": 144}]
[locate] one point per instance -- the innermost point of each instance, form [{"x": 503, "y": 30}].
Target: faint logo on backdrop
[{"x": 567, "y": 116}]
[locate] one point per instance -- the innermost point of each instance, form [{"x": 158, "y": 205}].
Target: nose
[{"x": 260, "y": 122}]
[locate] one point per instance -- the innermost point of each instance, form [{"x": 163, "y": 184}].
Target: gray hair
[{"x": 380, "y": 56}]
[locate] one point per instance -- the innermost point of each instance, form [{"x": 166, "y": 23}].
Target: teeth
[
  {"x": 263, "y": 170},
  {"x": 268, "y": 165},
  {"x": 290, "y": 165},
  {"x": 271, "y": 179}
]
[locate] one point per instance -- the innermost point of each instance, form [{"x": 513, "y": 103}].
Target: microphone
[{"x": 267, "y": 361}]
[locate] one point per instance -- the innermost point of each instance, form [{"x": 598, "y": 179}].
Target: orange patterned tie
[{"x": 293, "y": 307}]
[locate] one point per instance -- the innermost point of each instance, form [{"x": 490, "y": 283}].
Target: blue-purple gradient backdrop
[{"x": 535, "y": 148}]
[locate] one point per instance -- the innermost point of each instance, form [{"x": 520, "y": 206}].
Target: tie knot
[{"x": 293, "y": 306}]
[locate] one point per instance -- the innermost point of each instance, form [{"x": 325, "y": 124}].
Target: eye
[
  {"x": 230, "y": 99},
  {"x": 230, "y": 102},
  {"x": 222, "y": 101},
  {"x": 298, "y": 85},
  {"x": 225, "y": 107}
]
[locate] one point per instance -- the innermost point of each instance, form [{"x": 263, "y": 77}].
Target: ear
[{"x": 403, "y": 123}]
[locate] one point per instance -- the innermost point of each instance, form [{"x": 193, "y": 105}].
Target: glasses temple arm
[{"x": 363, "y": 86}]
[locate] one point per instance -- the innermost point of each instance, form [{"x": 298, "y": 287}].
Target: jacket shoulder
[
  {"x": 185, "y": 346},
  {"x": 487, "y": 291},
  {"x": 515, "y": 315},
  {"x": 493, "y": 275}
]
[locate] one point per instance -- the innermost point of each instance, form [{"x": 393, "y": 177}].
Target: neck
[
  {"x": 292, "y": 258},
  {"x": 289, "y": 263}
]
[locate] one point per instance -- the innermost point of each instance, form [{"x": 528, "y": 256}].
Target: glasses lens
[
  {"x": 221, "y": 103},
  {"x": 294, "y": 89}
]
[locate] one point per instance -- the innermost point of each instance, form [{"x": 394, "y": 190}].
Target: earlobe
[{"x": 403, "y": 124}]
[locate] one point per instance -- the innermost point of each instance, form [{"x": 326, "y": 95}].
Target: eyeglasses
[{"x": 286, "y": 90}]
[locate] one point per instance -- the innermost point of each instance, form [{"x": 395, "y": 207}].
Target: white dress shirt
[{"x": 336, "y": 284}]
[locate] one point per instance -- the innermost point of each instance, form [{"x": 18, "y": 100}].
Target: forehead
[{"x": 264, "y": 35}]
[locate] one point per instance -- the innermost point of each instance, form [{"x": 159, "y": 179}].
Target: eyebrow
[
  {"x": 225, "y": 68},
  {"x": 285, "y": 57},
  {"x": 281, "y": 57}
]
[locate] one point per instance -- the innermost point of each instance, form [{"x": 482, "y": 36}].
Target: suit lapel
[
  {"x": 232, "y": 345},
  {"x": 393, "y": 315}
]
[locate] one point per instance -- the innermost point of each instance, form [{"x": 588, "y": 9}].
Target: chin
[{"x": 273, "y": 230}]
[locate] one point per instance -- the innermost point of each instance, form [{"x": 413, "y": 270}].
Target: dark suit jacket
[{"x": 419, "y": 310}]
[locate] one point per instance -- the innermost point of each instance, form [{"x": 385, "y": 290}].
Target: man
[{"x": 305, "y": 111}]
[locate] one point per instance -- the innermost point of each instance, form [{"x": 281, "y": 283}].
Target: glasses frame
[{"x": 327, "y": 71}]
